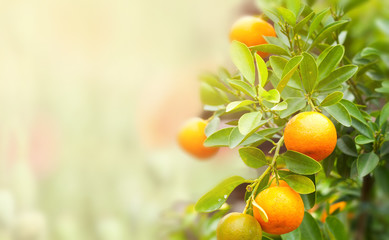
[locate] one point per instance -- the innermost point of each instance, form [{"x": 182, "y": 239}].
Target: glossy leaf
[
  {"x": 308, "y": 71},
  {"x": 300, "y": 25},
  {"x": 331, "y": 60},
  {"x": 366, "y": 163},
  {"x": 316, "y": 21},
  {"x": 287, "y": 15},
  {"x": 309, "y": 200},
  {"x": 337, "y": 77},
  {"x": 249, "y": 122},
  {"x": 270, "y": 48},
  {"x": 363, "y": 128},
  {"x": 310, "y": 229},
  {"x": 212, "y": 126},
  {"x": 293, "y": 235},
  {"x": 300, "y": 163},
  {"x": 340, "y": 113},
  {"x": 272, "y": 96},
  {"x": 289, "y": 70},
  {"x": 336, "y": 228},
  {"x": 300, "y": 184},
  {"x": 211, "y": 96},
  {"x": 253, "y": 157},
  {"x": 384, "y": 114},
  {"x": 347, "y": 146},
  {"x": 279, "y": 107},
  {"x": 353, "y": 110},
  {"x": 361, "y": 139},
  {"x": 238, "y": 104},
  {"x": 243, "y": 60},
  {"x": 219, "y": 138},
  {"x": 328, "y": 30},
  {"x": 215, "y": 198},
  {"x": 262, "y": 70},
  {"x": 294, "y": 104},
  {"x": 235, "y": 138},
  {"x": 242, "y": 86},
  {"x": 332, "y": 99}
]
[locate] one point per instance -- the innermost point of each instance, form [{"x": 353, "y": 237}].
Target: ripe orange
[
  {"x": 284, "y": 208},
  {"x": 339, "y": 205},
  {"x": 191, "y": 138},
  {"x": 250, "y": 31},
  {"x": 312, "y": 134},
  {"x": 240, "y": 226}
]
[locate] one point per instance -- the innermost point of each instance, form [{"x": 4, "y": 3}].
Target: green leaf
[
  {"x": 309, "y": 228},
  {"x": 332, "y": 99},
  {"x": 213, "y": 81},
  {"x": 308, "y": 71},
  {"x": 215, "y": 198},
  {"x": 270, "y": 48},
  {"x": 287, "y": 15},
  {"x": 249, "y": 122},
  {"x": 303, "y": 22},
  {"x": 331, "y": 60},
  {"x": 347, "y": 146},
  {"x": 384, "y": 114},
  {"x": 294, "y": 104},
  {"x": 235, "y": 138},
  {"x": 336, "y": 228},
  {"x": 253, "y": 157},
  {"x": 219, "y": 138},
  {"x": 337, "y": 77},
  {"x": 242, "y": 86},
  {"x": 279, "y": 107},
  {"x": 340, "y": 113},
  {"x": 238, "y": 104},
  {"x": 316, "y": 21},
  {"x": 294, "y": 6},
  {"x": 262, "y": 70},
  {"x": 293, "y": 235},
  {"x": 362, "y": 128},
  {"x": 366, "y": 163},
  {"x": 260, "y": 135},
  {"x": 309, "y": 200},
  {"x": 300, "y": 184},
  {"x": 212, "y": 126},
  {"x": 289, "y": 69},
  {"x": 243, "y": 60},
  {"x": 361, "y": 140},
  {"x": 323, "y": 54},
  {"x": 353, "y": 110},
  {"x": 272, "y": 96},
  {"x": 328, "y": 30},
  {"x": 211, "y": 96},
  {"x": 300, "y": 163}
]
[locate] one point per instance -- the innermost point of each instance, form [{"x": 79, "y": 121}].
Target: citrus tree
[{"x": 299, "y": 87}]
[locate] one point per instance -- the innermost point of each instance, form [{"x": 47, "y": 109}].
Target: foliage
[{"x": 313, "y": 67}]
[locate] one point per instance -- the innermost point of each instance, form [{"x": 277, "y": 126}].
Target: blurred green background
[{"x": 92, "y": 94}]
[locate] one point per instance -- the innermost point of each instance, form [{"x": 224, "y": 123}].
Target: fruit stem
[{"x": 268, "y": 169}]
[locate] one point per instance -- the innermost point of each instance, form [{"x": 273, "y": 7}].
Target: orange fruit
[
  {"x": 312, "y": 134},
  {"x": 284, "y": 208},
  {"x": 339, "y": 205},
  {"x": 250, "y": 31},
  {"x": 240, "y": 226},
  {"x": 191, "y": 138}
]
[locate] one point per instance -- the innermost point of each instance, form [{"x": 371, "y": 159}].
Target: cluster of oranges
[{"x": 310, "y": 133}]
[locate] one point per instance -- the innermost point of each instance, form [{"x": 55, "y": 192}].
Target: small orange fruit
[
  {"x": 339, "y": 205},
  {"x": 284, "y": 208},
  {"x": 312, "y": 134},
  {"x": 192, "y": 136},
  {"x": 250, "y": 31},
  {"x": 238, "y": 226}
]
